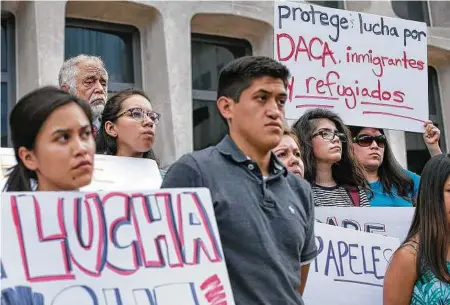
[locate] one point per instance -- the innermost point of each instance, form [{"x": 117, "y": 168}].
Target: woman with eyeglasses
[
  {"x": 391, "y": 185},
  {"x": 128, "y": 126},
  {"x": 336, "y": 177}
]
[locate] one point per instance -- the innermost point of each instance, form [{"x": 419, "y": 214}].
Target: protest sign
[
  {"x": 371, "y": 70},
  {"x": 350, "y": 267},
  {"x": 110, "y": 172},
  {"x": 69, "y": 248},
  {"x": 394, "y": 222}
]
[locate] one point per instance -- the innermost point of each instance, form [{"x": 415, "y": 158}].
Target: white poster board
[
  {"x": 394, "y": 222},
  {"x": 110, "y": 172},
  {"x": 350, "y": 267},
  {"x": 157, "y": 247},
  {"x": 371, "y": 70}
]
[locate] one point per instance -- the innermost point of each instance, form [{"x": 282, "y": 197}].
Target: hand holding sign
[{"x": 432, "y": 133}]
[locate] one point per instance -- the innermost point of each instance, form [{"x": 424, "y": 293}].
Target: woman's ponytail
[{"x": 19, "y": 180}]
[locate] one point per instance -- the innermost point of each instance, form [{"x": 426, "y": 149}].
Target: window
[
  {"x": 209, "y": 55},
  {"x": 416, "y": 151},
  {"x": 412, "y": 10},
  {"x": 8, "y": 75},
  {"x": 332, "y": 4},
  {"x": 117, "y": 45}
]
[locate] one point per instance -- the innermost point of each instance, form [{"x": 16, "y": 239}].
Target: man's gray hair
[{"x": 69, "y": 69}]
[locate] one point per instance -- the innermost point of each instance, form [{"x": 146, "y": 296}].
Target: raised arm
[{"x": 431, "y": 137}]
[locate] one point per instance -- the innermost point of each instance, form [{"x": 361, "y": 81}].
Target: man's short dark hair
[{"x": 239, "y": 74}]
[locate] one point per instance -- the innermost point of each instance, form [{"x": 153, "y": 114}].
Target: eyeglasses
[
  {"x": 140, "y": 114},
  {"x": 329, "y": 135},
  {"x": 366, "y": 140}
]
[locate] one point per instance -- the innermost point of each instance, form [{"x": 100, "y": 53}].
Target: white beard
[{"x": 97, "y": 110}]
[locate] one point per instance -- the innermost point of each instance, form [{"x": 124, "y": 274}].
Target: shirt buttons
[{"x": 251, "y": 167}]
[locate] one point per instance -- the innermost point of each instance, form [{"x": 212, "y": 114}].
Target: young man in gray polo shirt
[{"x": 265, "y": 215}]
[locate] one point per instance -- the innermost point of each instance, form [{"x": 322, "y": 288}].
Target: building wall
[{"x": 165, "y": 50}]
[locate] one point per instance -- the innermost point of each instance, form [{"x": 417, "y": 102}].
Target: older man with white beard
[{"x": 86, "y": 77}]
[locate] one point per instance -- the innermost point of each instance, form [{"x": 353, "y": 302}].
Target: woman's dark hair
[
  {"x": 287, "y": 131},
  {"x": 107, "y": 144},
  {"x": 26, "y": 120},
  {"x": 348, "y": 171},
  {"x": 392, "y": 176},
  {"x": 430, "y": 221}
]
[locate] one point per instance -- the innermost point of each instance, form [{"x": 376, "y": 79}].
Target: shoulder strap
[{"x": 354, "y": 195}]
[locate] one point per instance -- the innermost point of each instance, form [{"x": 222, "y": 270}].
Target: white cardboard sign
[
  {"x": 371, "y": 70},
  {"x": 394, "y": 222},
  {"x": 350, "y": 267},
  {"x": 149, "y": 248},
  {"x": 110, "y": 172}
]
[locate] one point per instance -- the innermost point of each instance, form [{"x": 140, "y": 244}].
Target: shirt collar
[{"x": 229, "y": 148}]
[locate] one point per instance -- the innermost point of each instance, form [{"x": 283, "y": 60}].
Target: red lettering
[
  {"x": 300, "y": 49},
  {"x": 291, "y": 41},
  {"x": 215, "y": 293},
  {"x": 327, "y": 52},
  {"x": 308, "y": 80},
  {"x": 398, "y": 96},
  {"x": 386, "y": 95},
  {"x": 412, "y": 63},
  {"x": 315, "y": 49},
  {"x": 420, "y": 65},
  {"x": 319, "y": 85},
  {"x": 290, "y": 88}
]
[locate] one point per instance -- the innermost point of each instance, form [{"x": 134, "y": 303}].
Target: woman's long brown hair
[
  {"x": 430, "y": 223},
  {"x": 348, "y": 171}
]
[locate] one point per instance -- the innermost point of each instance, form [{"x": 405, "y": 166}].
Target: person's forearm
[{"x": 434, "y": 150}]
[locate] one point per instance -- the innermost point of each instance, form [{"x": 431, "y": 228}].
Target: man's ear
[
  {"x": 111, "y": 129},
  {"x": 28, "y": 158},
  {"x": 65, "y": 87},
  {"x": 226, "y": 107}
]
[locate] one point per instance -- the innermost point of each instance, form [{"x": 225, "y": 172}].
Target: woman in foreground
[
  {"x": 419, "y": 272},
  {"x": 52, "y": 137}
]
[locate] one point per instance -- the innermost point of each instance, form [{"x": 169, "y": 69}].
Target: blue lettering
[
  {"x": 342, "y": 253},
  {"x": 331, "y": 256},
  {"x": 283, "y": 16},
  {"x": 375, "y": 260},
  {"x": 351, "y": 224},
  {"x": 352, "y": 257},
  {"x": 319, "y": 250},
  {"x": 366, "y": 271},
  {"x": 374, "y": 227},
  {"x": 2, "y": 271}
]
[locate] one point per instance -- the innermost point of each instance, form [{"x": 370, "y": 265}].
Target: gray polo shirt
[{"x": 266, "y": 225}]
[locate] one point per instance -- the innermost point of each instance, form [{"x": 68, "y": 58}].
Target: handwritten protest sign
[
  {"x": 110, "y": 172},
  {"x": 350, "y": 266},
  {"x": 369, "y": 69},
  {"x": 150, "y": 248},
  {"x": 394, "y": 222}
]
